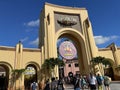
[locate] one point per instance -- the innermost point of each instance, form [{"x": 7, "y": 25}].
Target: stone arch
[
  {"x": 79, "y": 40},
  {"x": 6, "y": 74},
  {"x": 29, "y": 78},
  {"x": 69, "y": 31},
  {"x": 6, "y": 64},
  {"x": 34, "y": 63},
  {"x": 110, "y": 71}
]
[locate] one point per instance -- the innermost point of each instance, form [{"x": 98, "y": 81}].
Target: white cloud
[
  {"x": 35, "y": 42},
  {"x": 32, "y": 23},
  {"x": 29, "y": 30},
  {"x": 101, "y": 40},
  {"x": 58, "y": 41},
  {"x": 114, "y": 37},
  {"x": 24, "y": 39}
]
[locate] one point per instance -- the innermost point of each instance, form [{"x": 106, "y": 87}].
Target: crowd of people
[
  {"x": 55, "y": 84},
  {"x": 91, "y": 82}
]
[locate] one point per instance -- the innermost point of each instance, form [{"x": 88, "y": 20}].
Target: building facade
[{"x": 56, "y": 22}]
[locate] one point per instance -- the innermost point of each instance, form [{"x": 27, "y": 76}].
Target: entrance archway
[
  {"x": 80, "y": 60},
  {"x": 68, "y": 53},
  {"x": 79, "y": 43},
  {"x": 109, "y": 72},
  {"x": 30, "y": 76},
  {"x": 4, "y": 77}
]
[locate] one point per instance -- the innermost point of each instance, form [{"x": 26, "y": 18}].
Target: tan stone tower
[{"x": 60, "y": 21}]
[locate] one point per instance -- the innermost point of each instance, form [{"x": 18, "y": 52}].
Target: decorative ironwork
[{"x": 67, "y": 21}]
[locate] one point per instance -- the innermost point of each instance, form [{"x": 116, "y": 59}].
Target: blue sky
[{"x": 19, "y": 20}]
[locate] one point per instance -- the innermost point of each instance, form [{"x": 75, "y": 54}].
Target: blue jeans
[{"x": 77, "y": 88}]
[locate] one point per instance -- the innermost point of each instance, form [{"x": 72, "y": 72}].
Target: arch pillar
[{"x": 8, "y": 70}]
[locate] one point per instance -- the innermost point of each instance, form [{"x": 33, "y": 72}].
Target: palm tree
[
  {"x": 17, "y": 74},
  {"x": 106, "y": 61},
  {"x": 49, "y": 65},
  {"x": 101, "y": 60},
  {"x": 47, "y": 68},
  {"x": 59, "y": 62}
]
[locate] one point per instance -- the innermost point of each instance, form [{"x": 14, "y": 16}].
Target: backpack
[
  {"x": 107, "y": 80},
  {"x": 34, "y": 86},
  {"x": 76, "y": 85},
  {"x": 83, "y": 82},
  {"x": 99, "y": 81}
]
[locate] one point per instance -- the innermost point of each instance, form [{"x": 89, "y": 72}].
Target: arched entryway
[
  {"x": 4, "y": 77},
  {"x": 68, "y": 53},
  {"x": 30, "y": 75},
  {"x": 75, "y": 42},
  {"x": 109, "y": 72}
]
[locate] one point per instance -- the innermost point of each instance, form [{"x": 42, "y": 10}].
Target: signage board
[{"x": 67, "y": 50}]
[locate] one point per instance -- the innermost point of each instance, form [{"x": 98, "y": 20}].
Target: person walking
[
  {"x": 77, "y": 84},
  {"x": 100, "y": 82},
  {"x": 92, "y": 82},
  {"x": 60, "y": 85},
  {"x": 84, "y": 83},
  {"x": 47, "y": 85},
  {"x": 34, "y": 86},
  {"x": 53, "y": 84},
  {"x": 107, "y": 81}
]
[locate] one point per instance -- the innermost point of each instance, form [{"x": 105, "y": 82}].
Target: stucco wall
[
  {"x": 7, "y": 55},
  {"x": 31, "y": 55},
  {"x": 118, "y": 52},
  {"x": 106, "y": 53}
]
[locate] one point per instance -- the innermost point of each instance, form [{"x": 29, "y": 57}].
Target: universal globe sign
[
  {"x": 67, "y": 50},
  {"x": 30, "y": 71}
]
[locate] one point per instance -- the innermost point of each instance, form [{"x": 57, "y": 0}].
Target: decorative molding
[{"x": 67, "y": 21}]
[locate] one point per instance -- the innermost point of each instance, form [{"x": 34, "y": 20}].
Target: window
[
  {"x": 76, "y": 65},
  {"x": 69, "y": 65}
]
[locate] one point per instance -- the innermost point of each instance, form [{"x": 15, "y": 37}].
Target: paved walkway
[{"x": 115, "y": 85}]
